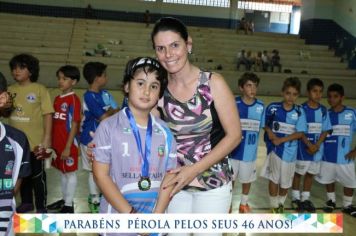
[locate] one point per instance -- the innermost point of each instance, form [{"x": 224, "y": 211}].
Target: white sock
[
  {"x": 331, "y": 196},
  {"x": 71, "y": 187},
  {"x": 347, "y": 201},
  {"x": 295, "y": 194},
  {"x": 273, "y": 201},
  {"x": 305, "y": 196},
  {"x": 64, "y": 183},
  {"x": 282, "y": 199},
  {"x": 244, "y": 199},
  {"x": 93, "y": 189}
]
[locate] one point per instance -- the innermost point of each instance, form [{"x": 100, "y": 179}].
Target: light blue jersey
[
  {"x": 339, "y": 142},
  {"x": 284, "y": 123},
  {"x": 94, "y": 106},
  {"x": 252, "y": 120},
  {"x": 318, "y": 121}
]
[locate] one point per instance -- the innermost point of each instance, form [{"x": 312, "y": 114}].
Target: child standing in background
[
  {"x": 135, "y": 150},
  {"x": 311, "y": 146},
  {"x": 14, "y": 163},
  {"x": 98, "y": 104},
  {"x": 243, "y": 157},
  {"x": 66, "y": 121},
  {"x": 284, "y": 124},
  {"x": 33, "y": 115},
  {"x": 338, "y": 161}
]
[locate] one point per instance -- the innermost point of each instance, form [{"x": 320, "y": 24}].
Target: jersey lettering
[
  {"x": 126, "y": 150},
  {"x": 61, "y": 116}
]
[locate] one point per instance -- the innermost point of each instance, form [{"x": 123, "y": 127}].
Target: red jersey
[{"x": 66, "y": 110}]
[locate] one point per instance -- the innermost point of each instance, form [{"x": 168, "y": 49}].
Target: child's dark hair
[
  {"x": 314, "y": 82},
  {"x": 92, "y": 70},
  {"x": 147, "y": 65},
  {"x": 292, "y": 82},
  {"x": 169, "y": 24},
  {"x": 3, "y": 83},
  {"x": 26, "y": 61},
  {"x": 248, "y": 76},
  {"x": 336, "y": 88},
  {"x": 70, "y": 72}
]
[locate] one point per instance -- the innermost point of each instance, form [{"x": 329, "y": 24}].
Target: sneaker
[
  {"x": 244, "y": 208},
  {"x": 308, "y": 206},
  {"x": 275, "y": 210},
  {"x": 24, "y": 207},
  {"x": 67, "y": 209},
  {"x": 350, "y": 210},
  {"x": 281, "y": 209},
  {"x": 41, "y": 211},
  {"x": 94, "y": 207},
  {"x": 329, "y": 206},
  {"x": 56, "y": 205},
  {"x": 297, "y": 205}
]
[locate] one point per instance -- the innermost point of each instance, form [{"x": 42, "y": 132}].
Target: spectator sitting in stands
[
  {"x": 242, "y": 59},
  {"x": 266, "y": 61},
  {"x": 251, "y": 26},
  {"x": 243, "y": 25},
  {"x": 251, "y": 60},
  {"x": 275, "y": 61},
  {"x": 258, "y": 63}
]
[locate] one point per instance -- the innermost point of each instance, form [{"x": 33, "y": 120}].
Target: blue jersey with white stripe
[
  {"x": 251, "y": 118},
  {"x": 284, "y": 123},
  {"x": 318, "y": 121},
  {"x": 339, "y": 142},
  {"x": 94, "y": 106}
]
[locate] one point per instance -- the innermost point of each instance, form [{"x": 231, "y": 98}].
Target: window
[
  {"x": 260, "y": 6},
  {"x": 210, "y": 3}
]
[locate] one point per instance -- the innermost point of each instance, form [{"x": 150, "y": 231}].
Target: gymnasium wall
[
  {"x": 324, "y": 20},
  {"x": 133, "y": 11},
  {"x": 345, "y": 15}
]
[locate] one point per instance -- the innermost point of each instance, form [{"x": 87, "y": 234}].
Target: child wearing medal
[{"x": 133, "y": 149}]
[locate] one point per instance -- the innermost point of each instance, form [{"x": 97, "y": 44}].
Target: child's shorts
[
  {"x": 244, "y": 172},
  {"x": 342, "y": 173},
  {"x": 278, "y": 171},
  {"x": 312, "y": 167}
]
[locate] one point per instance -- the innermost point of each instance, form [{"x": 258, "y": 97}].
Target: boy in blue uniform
[
  {"x": 243, "y": 157},
  {"x": 284, "y": 124},
  {"x": 98, "y": 104},
  {"x": 338, "y": 159},
  {"x": 310, "y": 146}
]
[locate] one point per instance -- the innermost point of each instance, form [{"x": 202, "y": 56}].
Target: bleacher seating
[{"x": 59, "y": 41}]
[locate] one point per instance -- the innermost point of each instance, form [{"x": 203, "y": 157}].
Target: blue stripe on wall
[{"x": 278, "y": 28}]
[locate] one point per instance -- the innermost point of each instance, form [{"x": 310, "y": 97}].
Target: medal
[{"x": 144, "y": 184}]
